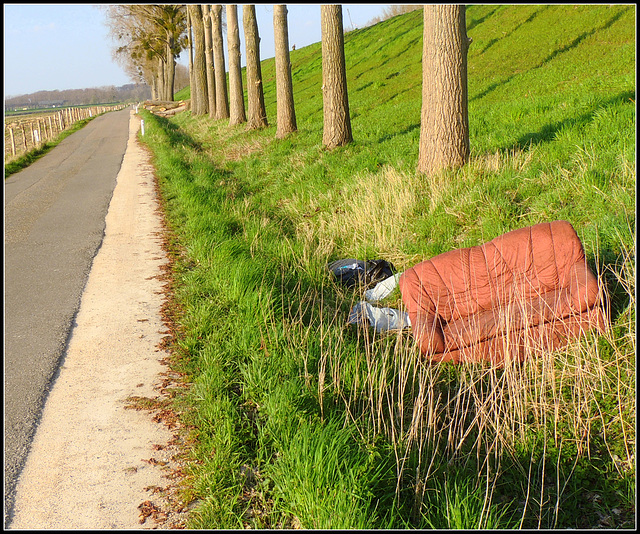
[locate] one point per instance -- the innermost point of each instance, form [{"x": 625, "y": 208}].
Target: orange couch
[{"x": 526, "y": 290}]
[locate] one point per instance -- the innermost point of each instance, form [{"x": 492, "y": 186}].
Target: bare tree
[
  {"x": 149, "y": 38},
  {"x": 208, "y": 43},
  {"x": 257, "y": 114},
  {"x": 171, "y": 19},
  {"x": 444, "y": 130},
  {"x": 199, "y": 101},
  {"x": 337, "y": 123},
  {"x": 286, "y": 116},
  {"x": 222, "y": 103},
  {"x": 236, "y": 94}
]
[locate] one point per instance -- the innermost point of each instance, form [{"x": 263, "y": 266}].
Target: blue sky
[{"x": 67, "y": 46}]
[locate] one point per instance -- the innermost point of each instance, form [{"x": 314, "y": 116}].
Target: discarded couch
[{"x": 526, "y": 290}]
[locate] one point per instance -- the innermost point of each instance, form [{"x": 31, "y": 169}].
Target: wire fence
[{"x": 24, "y": 133}]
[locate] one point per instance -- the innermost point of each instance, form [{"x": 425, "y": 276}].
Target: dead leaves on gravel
[{"x": 148, "y": 509}]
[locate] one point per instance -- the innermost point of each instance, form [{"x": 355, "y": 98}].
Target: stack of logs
[
  {"x": 166, "y": 109},
  {"x": 26, "y": 133}
]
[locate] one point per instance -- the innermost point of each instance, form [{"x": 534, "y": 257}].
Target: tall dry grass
[
  {"x": 472, "y": 414},
  {"x": 374, "y": 211}
]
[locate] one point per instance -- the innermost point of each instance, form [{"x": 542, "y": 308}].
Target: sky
[{"x": 68, "y": 46}]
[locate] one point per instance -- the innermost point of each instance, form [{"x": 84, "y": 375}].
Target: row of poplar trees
[
  {"x": 152, "y": 36},
  {"x": 208, "y": 70}
]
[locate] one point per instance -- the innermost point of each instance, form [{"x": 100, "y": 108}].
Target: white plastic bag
[
  {"x": 381, "y": 319},
  {"x": 382, "y": 289}
]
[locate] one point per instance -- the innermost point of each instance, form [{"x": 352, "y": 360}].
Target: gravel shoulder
[{"x": 96, "y": 463}]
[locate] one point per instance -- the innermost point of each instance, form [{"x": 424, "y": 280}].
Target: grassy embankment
[{"x": 301, "y": 420}]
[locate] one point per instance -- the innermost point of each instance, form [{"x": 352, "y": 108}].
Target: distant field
[{"x": 11, "y": 115}]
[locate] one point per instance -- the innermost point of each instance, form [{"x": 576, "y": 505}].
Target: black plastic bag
[{"x": 351, "y": 272}]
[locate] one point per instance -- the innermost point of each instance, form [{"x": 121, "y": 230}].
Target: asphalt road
[{"x": 54, "y": 224}]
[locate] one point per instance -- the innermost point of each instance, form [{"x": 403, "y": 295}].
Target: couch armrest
[
  {"x": 425, "y": 322},
  {"x": 583, "y": 287}
]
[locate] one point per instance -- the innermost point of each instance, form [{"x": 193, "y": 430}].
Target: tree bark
[
  {"x": 160, "y": 77},
  {"x": 236, "y": 94},
  {"x": 171, "y": 68},
  {"x": 154, "y": 91},
  {"x": 190, "y": 38},
  {"x": 337, "y": 123},
  {"x": 286, "y": 115},
  {"x": 444, "y": 130},
  {"x": 199, "y": 103},
  {"x": 222, "y": 103},
  {"x": 208, "y": 43},
  {"x": 257, "y": 114}
]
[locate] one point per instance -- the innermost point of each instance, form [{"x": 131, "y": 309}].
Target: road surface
[
  {"x": 54, "y": 222},
  {"x": 82, "y": 327}
]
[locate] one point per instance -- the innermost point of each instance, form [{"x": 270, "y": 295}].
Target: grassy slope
[{"x": 552, "y": 116}]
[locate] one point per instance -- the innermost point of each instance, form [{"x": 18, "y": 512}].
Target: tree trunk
[
  {"x": 222, "y": 103},
  {"x": 160, "y": 78},
  {"x": 337, "y": 123},
  {"x": 208, "y": 44},
  {"x": 171, "y": 69},
  {"x": 286, "y": 117},
  {"x": 199, "y": 104},
  {"x": 154, "y": 89},
  {"x": 444, "y": 130},
  {"x": 257, "y": 114},
  {"x": 190, "y": 37},
  {"x": 236, "y": 95}
]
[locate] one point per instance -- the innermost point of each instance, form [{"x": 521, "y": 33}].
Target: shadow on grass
[
  {"x": 573, "y": 44},
  {"x": 480, "y": 20},
  {"x": 175, "y": 135},
  {"x": 548, "y": 132},
  {"x": 506, "y": 35}
]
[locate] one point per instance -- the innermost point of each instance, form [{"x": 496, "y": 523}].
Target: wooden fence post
[
  {"x": 13, "y": 141},
  {"x": 24, "y": 137}
]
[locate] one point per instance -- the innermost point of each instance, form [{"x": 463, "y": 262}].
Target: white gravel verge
[{"x": 93, "y": 462}]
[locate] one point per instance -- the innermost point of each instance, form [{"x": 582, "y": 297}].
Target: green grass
[{"x": 302, "y": 421}]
